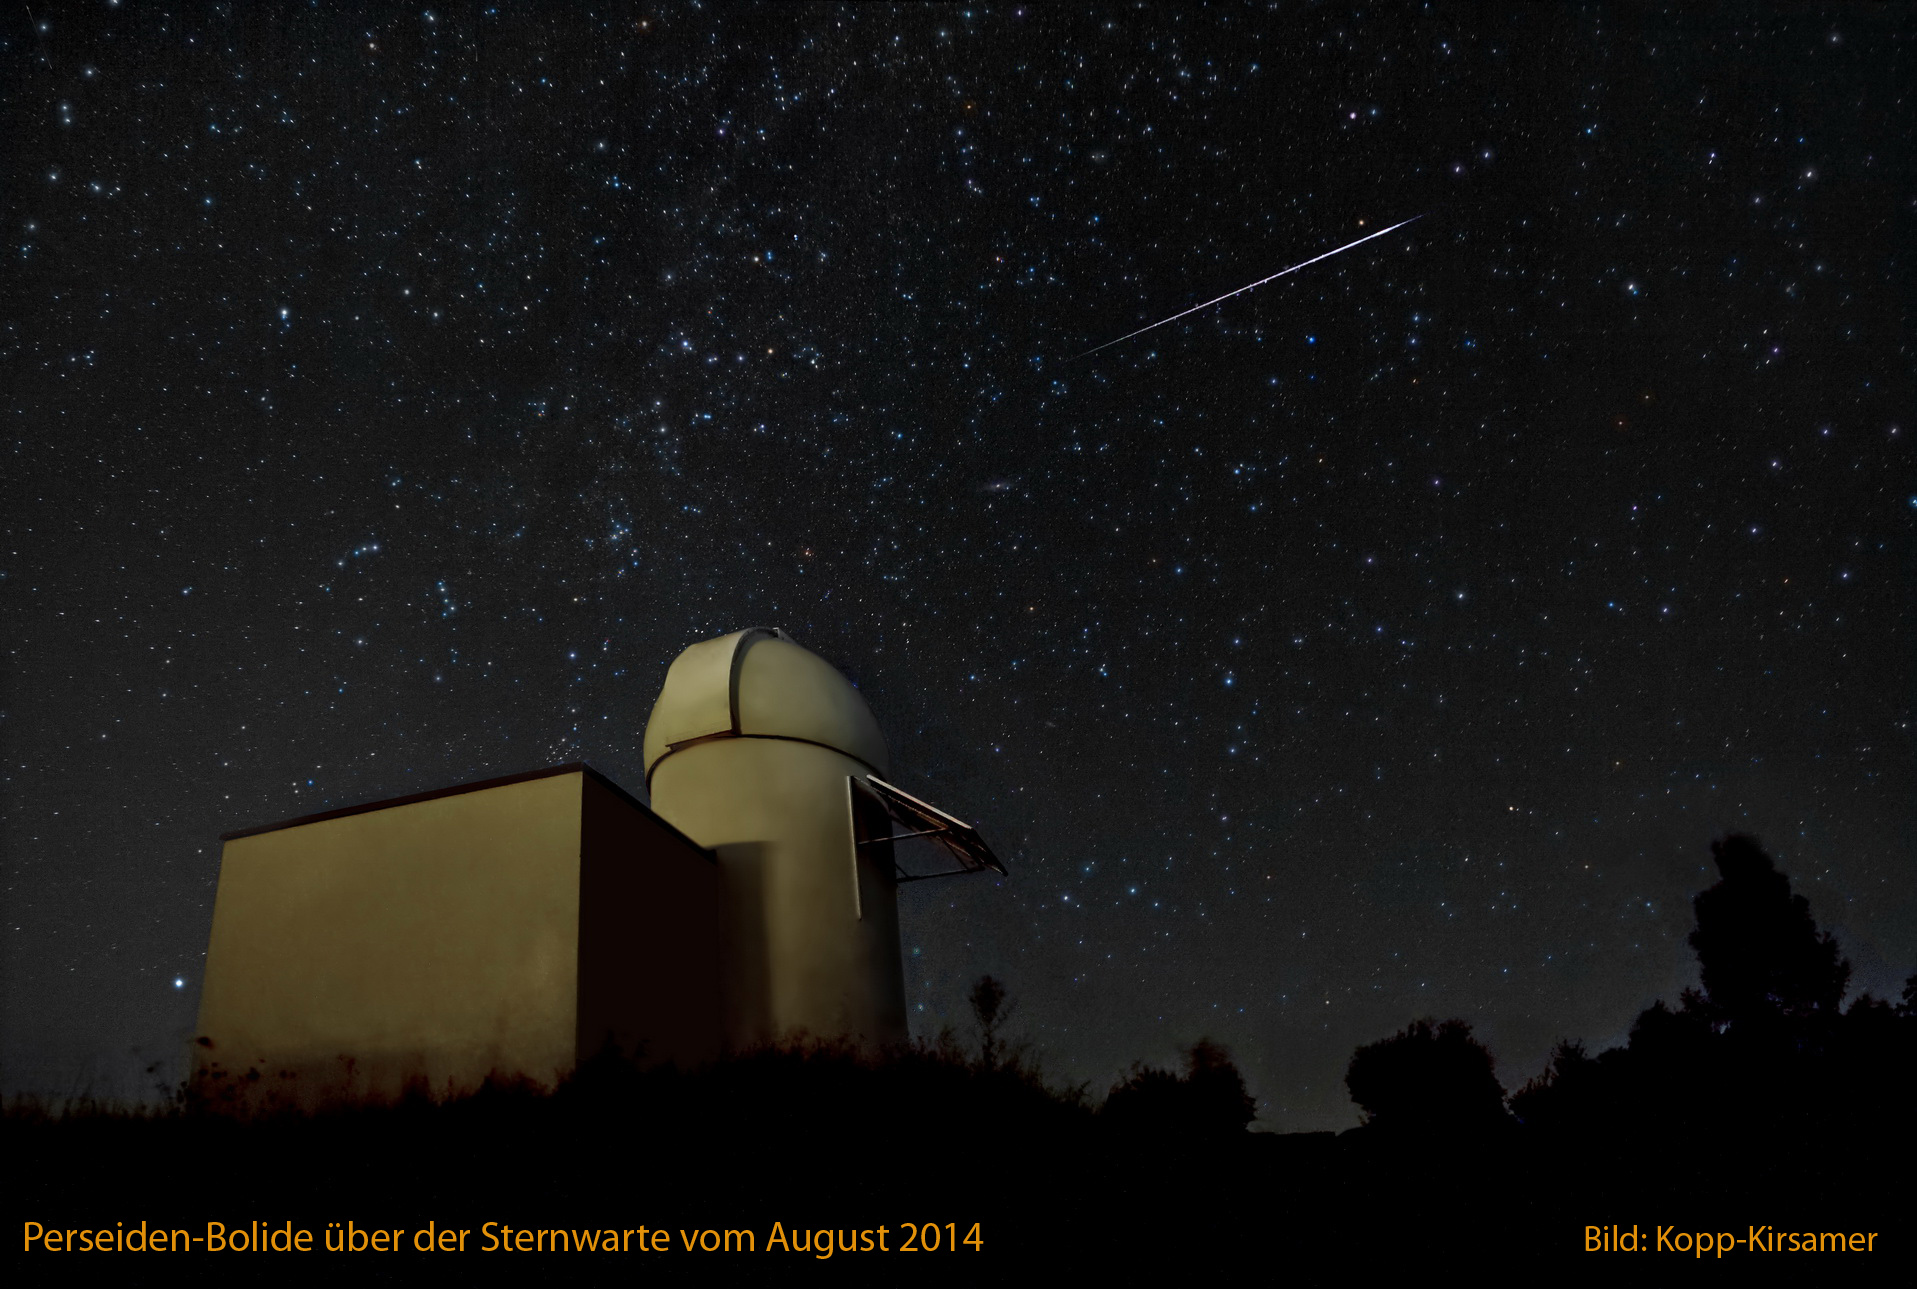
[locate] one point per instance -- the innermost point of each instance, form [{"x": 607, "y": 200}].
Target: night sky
[{"x": 389, "y": 396}]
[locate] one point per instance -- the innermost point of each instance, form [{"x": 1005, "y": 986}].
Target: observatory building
[{"x": 512, "y": 927}]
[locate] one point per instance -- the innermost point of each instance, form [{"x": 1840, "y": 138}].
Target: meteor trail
[{"x": 1241, "y": 290}]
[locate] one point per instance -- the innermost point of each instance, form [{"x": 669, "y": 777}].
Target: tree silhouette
[
  {"x": 1764, "y": 1040},
  {"x": 1209, "y": 1101},
  {"x": 988, "y": 999},
  {"x": 1427, "y": 1078},
  {"x": 1762, "y": 956},
  {"x": 1566, "y": 1092},
  {"x": 1662, "y": 1035},
  {"x": 1216, "y": 1091}
]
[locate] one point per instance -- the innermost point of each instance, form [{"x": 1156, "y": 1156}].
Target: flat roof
[{"x": 571, "y": 767}]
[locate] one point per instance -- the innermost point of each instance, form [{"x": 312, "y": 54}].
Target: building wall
[
  {"x": 649, "y": 936},
  {"x": 437, "y": 939},
  {"x": 778, "y": 813}
]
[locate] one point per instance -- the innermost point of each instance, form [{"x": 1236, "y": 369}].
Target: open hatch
[{"x": 920, "y": 819}]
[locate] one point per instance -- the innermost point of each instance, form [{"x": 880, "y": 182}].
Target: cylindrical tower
[{"x": 759, "y": 749}]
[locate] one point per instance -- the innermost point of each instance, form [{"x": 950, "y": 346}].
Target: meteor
[{"x": 1241, "y": 290}]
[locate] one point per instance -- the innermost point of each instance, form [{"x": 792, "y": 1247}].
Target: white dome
[{"x": 759, "y": 683}]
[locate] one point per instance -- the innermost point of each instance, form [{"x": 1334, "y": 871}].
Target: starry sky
[{"x": 390, "y": 393}]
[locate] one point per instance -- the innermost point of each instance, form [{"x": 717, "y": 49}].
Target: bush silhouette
[
  {"x": 1429, "y": 1078},
  {"x": 1661, "y": 1034},
  {"x": 1210, "y": 1101},
  {"x": 1570, "y": 1090},
  {"x": 1219, "y": 1100}
]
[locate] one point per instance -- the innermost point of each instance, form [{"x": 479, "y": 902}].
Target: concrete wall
[
  {"x": 813, "y": 921},
  {"x": 497, "y": 930}
]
